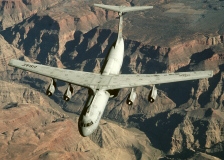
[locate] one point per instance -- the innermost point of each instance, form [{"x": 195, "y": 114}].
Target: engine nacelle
[
  {"x": 51, "y": 88},
  {"x": 68, "y": 93},
  {"x": 152, "y": 94},
  {"x": 131, "y": 97}
]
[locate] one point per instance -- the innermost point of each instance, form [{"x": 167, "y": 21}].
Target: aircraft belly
[
  {"x": 98, "y": 105},
  {"x": 118, "y": 51},
  {"x": 115, "y": 59},
  {"x": 116, "y": 67},
  {"x": 113, "y": 66}
]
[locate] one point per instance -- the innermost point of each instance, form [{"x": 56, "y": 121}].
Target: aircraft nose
[{"x": 86, "y": 130}]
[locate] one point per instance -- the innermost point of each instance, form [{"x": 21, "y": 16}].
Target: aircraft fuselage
[{"x": 97, "y": 100}]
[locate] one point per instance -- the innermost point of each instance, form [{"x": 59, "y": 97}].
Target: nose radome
[{"x": 86, "y": 131}]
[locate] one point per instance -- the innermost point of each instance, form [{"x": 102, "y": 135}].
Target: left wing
[{"x": 80, "y": 78}]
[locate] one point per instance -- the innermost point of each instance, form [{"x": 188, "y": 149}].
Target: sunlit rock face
[
  {"x": 31, "y": 127},
  {"x": 185, "y": 121}
]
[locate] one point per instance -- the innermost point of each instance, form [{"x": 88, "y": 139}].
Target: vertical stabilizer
[{"x": 120, "y": 27}]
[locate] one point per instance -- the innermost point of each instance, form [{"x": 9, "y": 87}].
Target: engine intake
[
  {"x": 131, "y": 97},
  {"x": 51, "y": 88},
  {"x": 152, "y": 94},
  {"x": 68, "y": 93}
]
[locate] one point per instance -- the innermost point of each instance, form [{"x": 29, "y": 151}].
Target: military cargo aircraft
[{"x": 108, "y": 83}]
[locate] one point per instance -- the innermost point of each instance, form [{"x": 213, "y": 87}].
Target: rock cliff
[
  {"x": 32, "y": 129},
  {"x": 186, "y": 120}
]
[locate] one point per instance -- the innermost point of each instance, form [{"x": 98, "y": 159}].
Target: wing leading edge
[{"x": 107, "y": 82}]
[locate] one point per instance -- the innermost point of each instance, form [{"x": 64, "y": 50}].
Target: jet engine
[
  {"x": 131, "y": 97},
  {"x": 68, "y": 93},
  {"x": 51, "y": 88},
  {"x": 152, "y": 94}
]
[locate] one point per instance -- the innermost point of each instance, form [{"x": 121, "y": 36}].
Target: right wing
[{"x": 135, "y": 80}]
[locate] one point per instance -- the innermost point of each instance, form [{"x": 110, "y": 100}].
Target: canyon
[{"x": 185, "y": 122}]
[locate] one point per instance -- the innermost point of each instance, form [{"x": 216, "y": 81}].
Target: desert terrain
[{"x": 186, "y": 121}]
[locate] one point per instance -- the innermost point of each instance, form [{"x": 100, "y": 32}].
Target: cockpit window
[
  {"x": 89, "y": 124},
  {"x": 86, "y": 124}
]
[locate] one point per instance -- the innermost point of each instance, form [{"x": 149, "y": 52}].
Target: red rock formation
[
  {"x": 185, "y": 117},
  {"x": 16, "y": 11},
  {"x": 32, "y": 129}
]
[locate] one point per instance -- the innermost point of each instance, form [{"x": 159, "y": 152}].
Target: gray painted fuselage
[{"x": 97, "y": 100}]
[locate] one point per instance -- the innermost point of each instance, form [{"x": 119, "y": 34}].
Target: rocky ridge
[
  {"x": 14, "y": 12},
  {"x": 80, "y": 38},
  {"x": 32, "y": 129}
]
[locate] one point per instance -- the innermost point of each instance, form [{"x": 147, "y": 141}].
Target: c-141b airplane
[{"x": 109, "y": 81}]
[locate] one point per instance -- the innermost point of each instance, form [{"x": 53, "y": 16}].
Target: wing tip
[
  {"x": 211, "y": 73},
  {"x": 11, "y": 62}
]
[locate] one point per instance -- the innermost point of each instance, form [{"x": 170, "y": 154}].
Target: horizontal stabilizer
[{"x": 123, "y": 9}]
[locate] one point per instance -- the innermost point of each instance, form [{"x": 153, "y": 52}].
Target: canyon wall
[{"x": 185, "y": 120}]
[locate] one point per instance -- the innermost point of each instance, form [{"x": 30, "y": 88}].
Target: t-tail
[{"x": 121, "y": 10}]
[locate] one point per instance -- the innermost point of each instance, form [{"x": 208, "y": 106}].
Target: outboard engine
[
  {"x": 131, "y": 97},
  {"x": 68, "y": 93},
  {"x": 152, "y": 94},
  {"x": 51, "y": 88}
]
